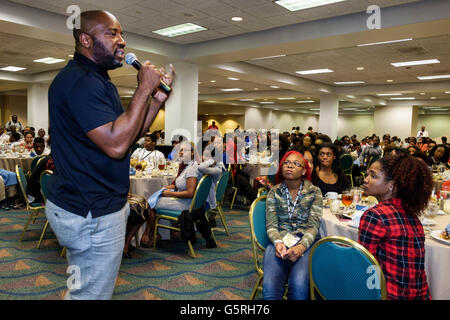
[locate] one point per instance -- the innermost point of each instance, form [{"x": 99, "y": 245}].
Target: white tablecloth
[{"x": 437, "y": 254}]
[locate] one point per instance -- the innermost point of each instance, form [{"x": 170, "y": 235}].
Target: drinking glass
[
  {"x": 161, "y": 164},
  {"x": 430, "y": 212},
  {"x": 357, "y": 194},
  {"x": 441, "y": 169},
  {"x": 347, "y": 199},
  {"x": 133, "y": 162}
]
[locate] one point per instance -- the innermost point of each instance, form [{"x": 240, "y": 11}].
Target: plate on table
[
  {"x": 436, "y": 234},
  {"x": 428, "y": 222}
]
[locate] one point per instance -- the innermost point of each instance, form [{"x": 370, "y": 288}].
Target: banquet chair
[
  {"x": 32, "y": 207},
  {"x": 342, "y": 269},
  {"x": 35, "y": 161},
  {"x": 259, "y": 239},
  {"x": 232, "y": 186},
  {"x": 198, "y": 202},
  {"x": 346, "y": 163},
  {"x": 221, "y": 187},
  {"x": 45, "y": 175}
]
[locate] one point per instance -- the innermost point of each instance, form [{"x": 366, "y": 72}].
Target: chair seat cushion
[
  {"x": 36, "y": 204},
  {"x": 167, "y": 212}
]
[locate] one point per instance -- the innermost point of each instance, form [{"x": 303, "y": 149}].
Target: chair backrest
[
  {"x": 342, "y": 269},
  {"x": 221, "y": 186},
  {"x": 258, "y": 234},
  {"x": 346, "y": 162},
  {"x": 201, "y": 193},
  {"x": 45, "y": 175},
  {"x": 372, "y": 160},
  {"x": 35, "y": 161},
  {"x": 22, "y": 181}
]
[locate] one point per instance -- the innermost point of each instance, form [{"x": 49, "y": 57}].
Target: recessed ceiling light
[
  {"x": 304, "y": 101},
  {"x": 351, "y": 97},
  {"x": 71, "y": 55},
  {"x": 234, "y": 79},
  {"x": 267, "y": 102},
  {"x": 295, "y": 5},
  {"x": 324, "y": 90},
  {"x": 443, "y": 76},
  {"x": 237, "y": 19},
  {"x": 246, "y": 99},
  {"x": 255, "y": 89},
  {"x": 315, "y": 71},
  {"x": 200, "y": 82},
  {"x": 383, "y": 103},
  {"x": 383, "y": 42},
  {"x": 206, "y": 114},
  {"x": 49, "y": 60},
  {"x": 368, "y": 100},
  {"x": 390, "y": 80},
  {"x": 447, "y": 91},
  {"x": 422, "y": 93},
  {"x": 12, "y": 69},
  {"x": 179, "y": 30},
  {"x": 349, "y": 82},
  {"x": 414, "y": 63},
  {"x": 213, "y": 81},
  {"x": 269, "y": 57},
  {"x": 231, "y": 89},
  {"x": 287, "y": 98},
  {"x": 388, "y": 94},
  {"x": 275, "y": 87},
  {"x": 433, "y": 98},
  {"x": 404, "y": 98},
  {"x": 360, "y": 68}
]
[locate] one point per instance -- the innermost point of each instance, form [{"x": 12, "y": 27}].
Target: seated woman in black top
[{"x": 327, "y": 174}]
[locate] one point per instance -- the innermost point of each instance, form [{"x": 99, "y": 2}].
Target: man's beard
[{"x": 103, "y": 57}]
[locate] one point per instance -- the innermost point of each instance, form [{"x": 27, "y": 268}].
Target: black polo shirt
[{"x": 82, "y": 98}]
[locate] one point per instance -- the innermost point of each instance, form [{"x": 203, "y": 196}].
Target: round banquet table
[
  {"x": 145, "y": 186},
  {"x": 9, "y": 163},
  {"x": 437, "y": 254}
]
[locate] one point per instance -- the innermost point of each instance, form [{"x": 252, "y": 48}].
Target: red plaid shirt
[{"x": 397, "y": 241}]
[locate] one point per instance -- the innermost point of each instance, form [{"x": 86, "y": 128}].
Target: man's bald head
[
  {"x": 89, "y": 20},
  {"x": 100, "y": 38}
]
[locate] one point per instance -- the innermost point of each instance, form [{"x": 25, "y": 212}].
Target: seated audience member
[
  {"x": 356, "y": 150},
  {"x": 28, "y": 137},
  {"x": 210, "y": 167},
  {"x": 413, "y": 149},
  {"x": 14, "y": 122},
  {"x": 296, "y": 143},
  {"x": 422, "y": 144},
  {"x": 340, "y": 148},
  {"x": 443, "y": 141},
  {"x": 394, "y": 150},
  {"x": 172, "y": 155},
  {"x": 391, "y": 230},
  {"x": 148, "y": 153},
  {"x": 431, "y": 145},
  {"x": 307, "y": 141},
  {"x": 38, "y": 147},
  {"x": 14, "y": 139},
  {"x": 306, "y": 153},
  {"x": 346, "y": 144},
  {"x": 34, "y": 183},
  {"x": 370, "y": 151},
  {"x": 10, "y": 184},
  {"x": 41, "y": 133},
  {"x": 177, "y": 196},
  {"x": 440, "y": 155},
  {"x": 4, "y": 136},
  {"x": 327, "y": 174},
  {"x": 293, "y": 206}
]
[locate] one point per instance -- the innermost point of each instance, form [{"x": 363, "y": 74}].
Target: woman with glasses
[
  {"x": 293, "y": 215},
  {"x": 328, "y": 175}
]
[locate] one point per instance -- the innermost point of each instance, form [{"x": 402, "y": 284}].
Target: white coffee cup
[
  {"x": 331, "y": 195},
  {"x": 334, "y": 206}
]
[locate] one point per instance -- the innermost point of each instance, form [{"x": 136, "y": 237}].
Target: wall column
[
  {"x": 37, "y": 106},
  {"x": 328, "y": 118}
]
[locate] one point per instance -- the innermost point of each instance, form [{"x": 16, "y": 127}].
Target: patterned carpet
[{"x": 223, "y": 273}]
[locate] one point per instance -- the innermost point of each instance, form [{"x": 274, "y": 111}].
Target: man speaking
[{"x": 91, "y": 134}]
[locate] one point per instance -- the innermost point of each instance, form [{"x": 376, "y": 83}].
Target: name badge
[{"x": 290, "y": 240}]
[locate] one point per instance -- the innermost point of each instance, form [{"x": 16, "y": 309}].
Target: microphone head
[{"x": 130, "y": 58}]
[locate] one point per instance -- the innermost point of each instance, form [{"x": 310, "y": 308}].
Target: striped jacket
[{"x": 305, "y": 220}]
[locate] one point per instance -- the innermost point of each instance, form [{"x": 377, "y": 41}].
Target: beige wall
[
  {"x": 396, "y": 120},
  {"x": 13, "y": 105},
  {"x": 361, "y": 125},
  {"x": 437, "y": 125},
  {"x": 224, "y": 123},
  {"x": 284, "y": 121}
]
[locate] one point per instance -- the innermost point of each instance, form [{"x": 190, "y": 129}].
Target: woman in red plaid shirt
[{"x": 391, "y": 230}]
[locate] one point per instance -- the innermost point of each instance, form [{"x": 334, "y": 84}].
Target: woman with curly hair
[{"x": 391, "y": 230}]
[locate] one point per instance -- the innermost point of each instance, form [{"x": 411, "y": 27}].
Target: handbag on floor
[{"x": 139, "y": 209}]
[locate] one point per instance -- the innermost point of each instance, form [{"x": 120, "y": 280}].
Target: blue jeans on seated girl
[{"x": 277, "y": 272}]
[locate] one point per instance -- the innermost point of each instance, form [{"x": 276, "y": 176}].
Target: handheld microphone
[{"x": 131, "y": 59}]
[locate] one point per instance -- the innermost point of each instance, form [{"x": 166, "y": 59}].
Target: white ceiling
[{"x": 141, "y": 17}]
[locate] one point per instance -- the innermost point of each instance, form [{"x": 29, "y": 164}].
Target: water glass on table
[{"x": 347, "y": 200}]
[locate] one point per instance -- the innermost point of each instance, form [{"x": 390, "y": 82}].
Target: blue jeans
[
  {"x": 94, "y": 248},
  {"x": 278, "y": 271}
]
